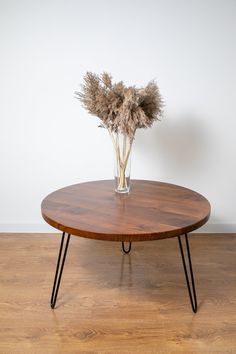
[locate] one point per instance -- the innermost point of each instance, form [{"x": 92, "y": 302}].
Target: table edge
[
  {"x": 126, "y": 237},
  {"x": 131, "y": 237}
]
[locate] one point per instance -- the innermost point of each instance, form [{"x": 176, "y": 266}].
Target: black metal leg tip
[{"x": 123, "y": 248}]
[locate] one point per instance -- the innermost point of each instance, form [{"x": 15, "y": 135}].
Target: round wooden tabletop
[{"x": 152, "y": 210}]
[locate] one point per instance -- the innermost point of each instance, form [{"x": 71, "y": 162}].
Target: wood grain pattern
[
  {"x": 115, "y": 303},
  {"x": 152, "y": 210}
]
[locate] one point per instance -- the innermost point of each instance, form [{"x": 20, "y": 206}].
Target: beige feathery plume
[{"x": 120, "y": 108}]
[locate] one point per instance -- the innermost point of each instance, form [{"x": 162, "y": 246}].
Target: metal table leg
[
  {"x": 123, "y": 248},
  {"x": 59, "y": 269},
  {"x": 192, "y": 292}
]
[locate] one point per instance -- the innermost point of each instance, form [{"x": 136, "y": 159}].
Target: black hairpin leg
[
  {"x": 192, "y": 293},
  {"x": 123, "y": 248},
  {"x": 60, "y": 265}
]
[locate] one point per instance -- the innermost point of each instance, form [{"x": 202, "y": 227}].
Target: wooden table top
[{"x": 152, "y": 210}]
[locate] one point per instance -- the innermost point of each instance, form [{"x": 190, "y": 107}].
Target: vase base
[
  {"x": 122, "y": 187},
  {"x": 123, "y": 190}
]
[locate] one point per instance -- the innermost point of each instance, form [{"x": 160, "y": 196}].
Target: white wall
[{"x": 48, "y": 141}]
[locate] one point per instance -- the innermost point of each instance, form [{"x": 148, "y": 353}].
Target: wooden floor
[{"x": 114, "y": 303}]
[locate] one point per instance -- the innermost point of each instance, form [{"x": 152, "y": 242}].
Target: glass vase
[{"x": 122, "y": 157}]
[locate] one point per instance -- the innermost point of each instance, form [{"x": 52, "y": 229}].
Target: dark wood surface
[{"x": 152, "y": 210}]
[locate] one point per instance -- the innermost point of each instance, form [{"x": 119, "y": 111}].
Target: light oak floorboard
[{"x": 114, "y": 303}]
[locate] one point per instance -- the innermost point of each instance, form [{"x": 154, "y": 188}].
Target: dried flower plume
[{"x": 120, "y": 108}]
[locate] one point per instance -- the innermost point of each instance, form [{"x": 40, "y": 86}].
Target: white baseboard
[
  {"x": 27, "y": 227},
  {"x": 217, "y": 228},
  {"x": 45, "y": 228}
]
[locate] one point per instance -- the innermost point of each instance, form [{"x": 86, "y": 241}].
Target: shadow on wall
[{"x": 178, "y": 145}]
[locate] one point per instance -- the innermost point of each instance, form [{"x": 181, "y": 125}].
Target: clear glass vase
[{"x": 122, "y": 157}]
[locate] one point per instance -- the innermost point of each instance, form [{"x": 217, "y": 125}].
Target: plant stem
[{"x": 122, "y": 156}]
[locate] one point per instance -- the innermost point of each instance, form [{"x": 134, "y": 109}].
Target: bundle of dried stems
[{"x": 122, "y": 110}]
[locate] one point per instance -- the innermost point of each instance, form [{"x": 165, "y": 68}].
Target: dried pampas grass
[{"x": 121, "y": 109}]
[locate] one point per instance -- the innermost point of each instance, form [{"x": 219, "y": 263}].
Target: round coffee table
[{"x": 151, "y": 211}]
